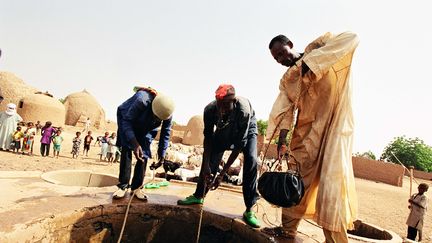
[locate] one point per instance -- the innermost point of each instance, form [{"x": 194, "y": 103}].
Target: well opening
[
  {"x": 82, "y": 178},
  {"x": 149, "y": 223},
  {"x": 367, "y": 231}
]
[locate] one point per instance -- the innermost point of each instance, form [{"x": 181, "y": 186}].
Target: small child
[
  {"x": 112, "y": 148},
  {"x": 57, "y": 141},
  {"x": 17, "y": 135},
  {"x": 98, "y": 140},
  {"x": 104, "y": 147},
  {"x": 87, "y": 142},
  {"x": 76, "y": 143},
  {"x": 418, "y": 206},
  {"x": 29, "y": 135},
  {"x": 38, "y": 127}
]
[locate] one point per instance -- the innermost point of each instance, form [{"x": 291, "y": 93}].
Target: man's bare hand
[
  {"x": 138, "y": 152},
  {"x": 206, "y": 172},
  {"x": 216, "y": 182},
  {"x": 282, "y": 150}
]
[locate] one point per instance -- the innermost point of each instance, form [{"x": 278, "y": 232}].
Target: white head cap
[
  {"x": 163, "y": 106},
  {"x": 10, "y": 109}
]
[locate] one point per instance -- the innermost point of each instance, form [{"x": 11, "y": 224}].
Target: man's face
[
  {"x": 283, "y": 54},
  {"x": 225, "y": 106}
]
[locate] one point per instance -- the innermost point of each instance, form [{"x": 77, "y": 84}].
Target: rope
[
  {"x": 201, "y": 216},
  {"x": 199, "y": 223},
  {"x": 294, "y": 104},
  {"x": 125, "y": 218},
  {"x": 298, "y": 91},
  {"x": 265, "y": 216},
  {"x": 314, "y": 224},
  {"x": 308, "y": 236},
  {"x": 127, "y": 209}
]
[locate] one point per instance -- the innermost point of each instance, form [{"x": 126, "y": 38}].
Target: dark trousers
[
  {"x": 125, "y": 170},
  {"x": 44, "y": 149},
  {"x": 250, "y": 195},
  {"x": 412, "y": 233}
]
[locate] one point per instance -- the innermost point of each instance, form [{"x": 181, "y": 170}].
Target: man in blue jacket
[
  {"x": 236, "y": 130},
  {"x": 138, "y": 120}
]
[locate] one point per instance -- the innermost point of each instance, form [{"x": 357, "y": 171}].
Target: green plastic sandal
[
  {"x": 190, "y": 200},
  {"x": 163, "y": 183},
  {"x": 251, "y": 219},
  {"x": 151, "y": 185}
]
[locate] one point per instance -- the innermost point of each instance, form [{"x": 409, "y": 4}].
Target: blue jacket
[{"x": 135, "y": 119}]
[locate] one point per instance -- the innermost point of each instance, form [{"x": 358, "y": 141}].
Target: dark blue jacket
[{"x": 135, "y": 119}]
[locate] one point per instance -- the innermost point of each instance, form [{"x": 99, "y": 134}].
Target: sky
[{"x": 185, "y": 49}]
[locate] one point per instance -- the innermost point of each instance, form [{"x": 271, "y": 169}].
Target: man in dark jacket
[{"x": 236, "y": 130}]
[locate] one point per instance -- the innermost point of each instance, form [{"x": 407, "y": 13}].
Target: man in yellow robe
[{"x": 322, "y": 137}]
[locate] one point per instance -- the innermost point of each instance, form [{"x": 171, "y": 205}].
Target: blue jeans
[{"x": 250, "y": 170}]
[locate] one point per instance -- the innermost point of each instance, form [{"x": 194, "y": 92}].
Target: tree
[
  {"x": 411, "y": 152},
  {"x": 368, "y": 155},
  {"x": 262, "y": 127},
  {"x": 62, "y": 100}
]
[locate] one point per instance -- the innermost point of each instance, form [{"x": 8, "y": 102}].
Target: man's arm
[
  {"x": 208, "y": 138},
  {"x": 233, "y": 156},
  {"x": 421, "y": 204},
  {"x": 164, "y": 137},
  {"x": 320, "y": 60},
  {"x": 281, "y": 146}
]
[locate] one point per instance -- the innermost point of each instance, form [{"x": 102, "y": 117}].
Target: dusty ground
[{"x": 379, "y": 204}]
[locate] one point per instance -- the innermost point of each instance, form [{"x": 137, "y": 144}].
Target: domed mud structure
[
  {"x": 41, "y": 107},
  {"x": 193, "y": 134},
  {"x": 82, "y": 105},
  {"x": 13, "y": 89}
]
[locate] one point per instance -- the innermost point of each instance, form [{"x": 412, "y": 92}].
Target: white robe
[
  {"x": 322, "y": 137},
  {"x": 8, "y": 125}
]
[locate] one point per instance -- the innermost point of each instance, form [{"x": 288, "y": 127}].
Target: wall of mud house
[
  {"x": 381, "y": 171},
  {"x": 420, "y": 174},
  {"x": 272, "y": 150},
  {"x": 372, "y": 170}
]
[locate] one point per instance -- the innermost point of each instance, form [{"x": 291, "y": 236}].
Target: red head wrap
[{"x": 225, "y": 90}]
